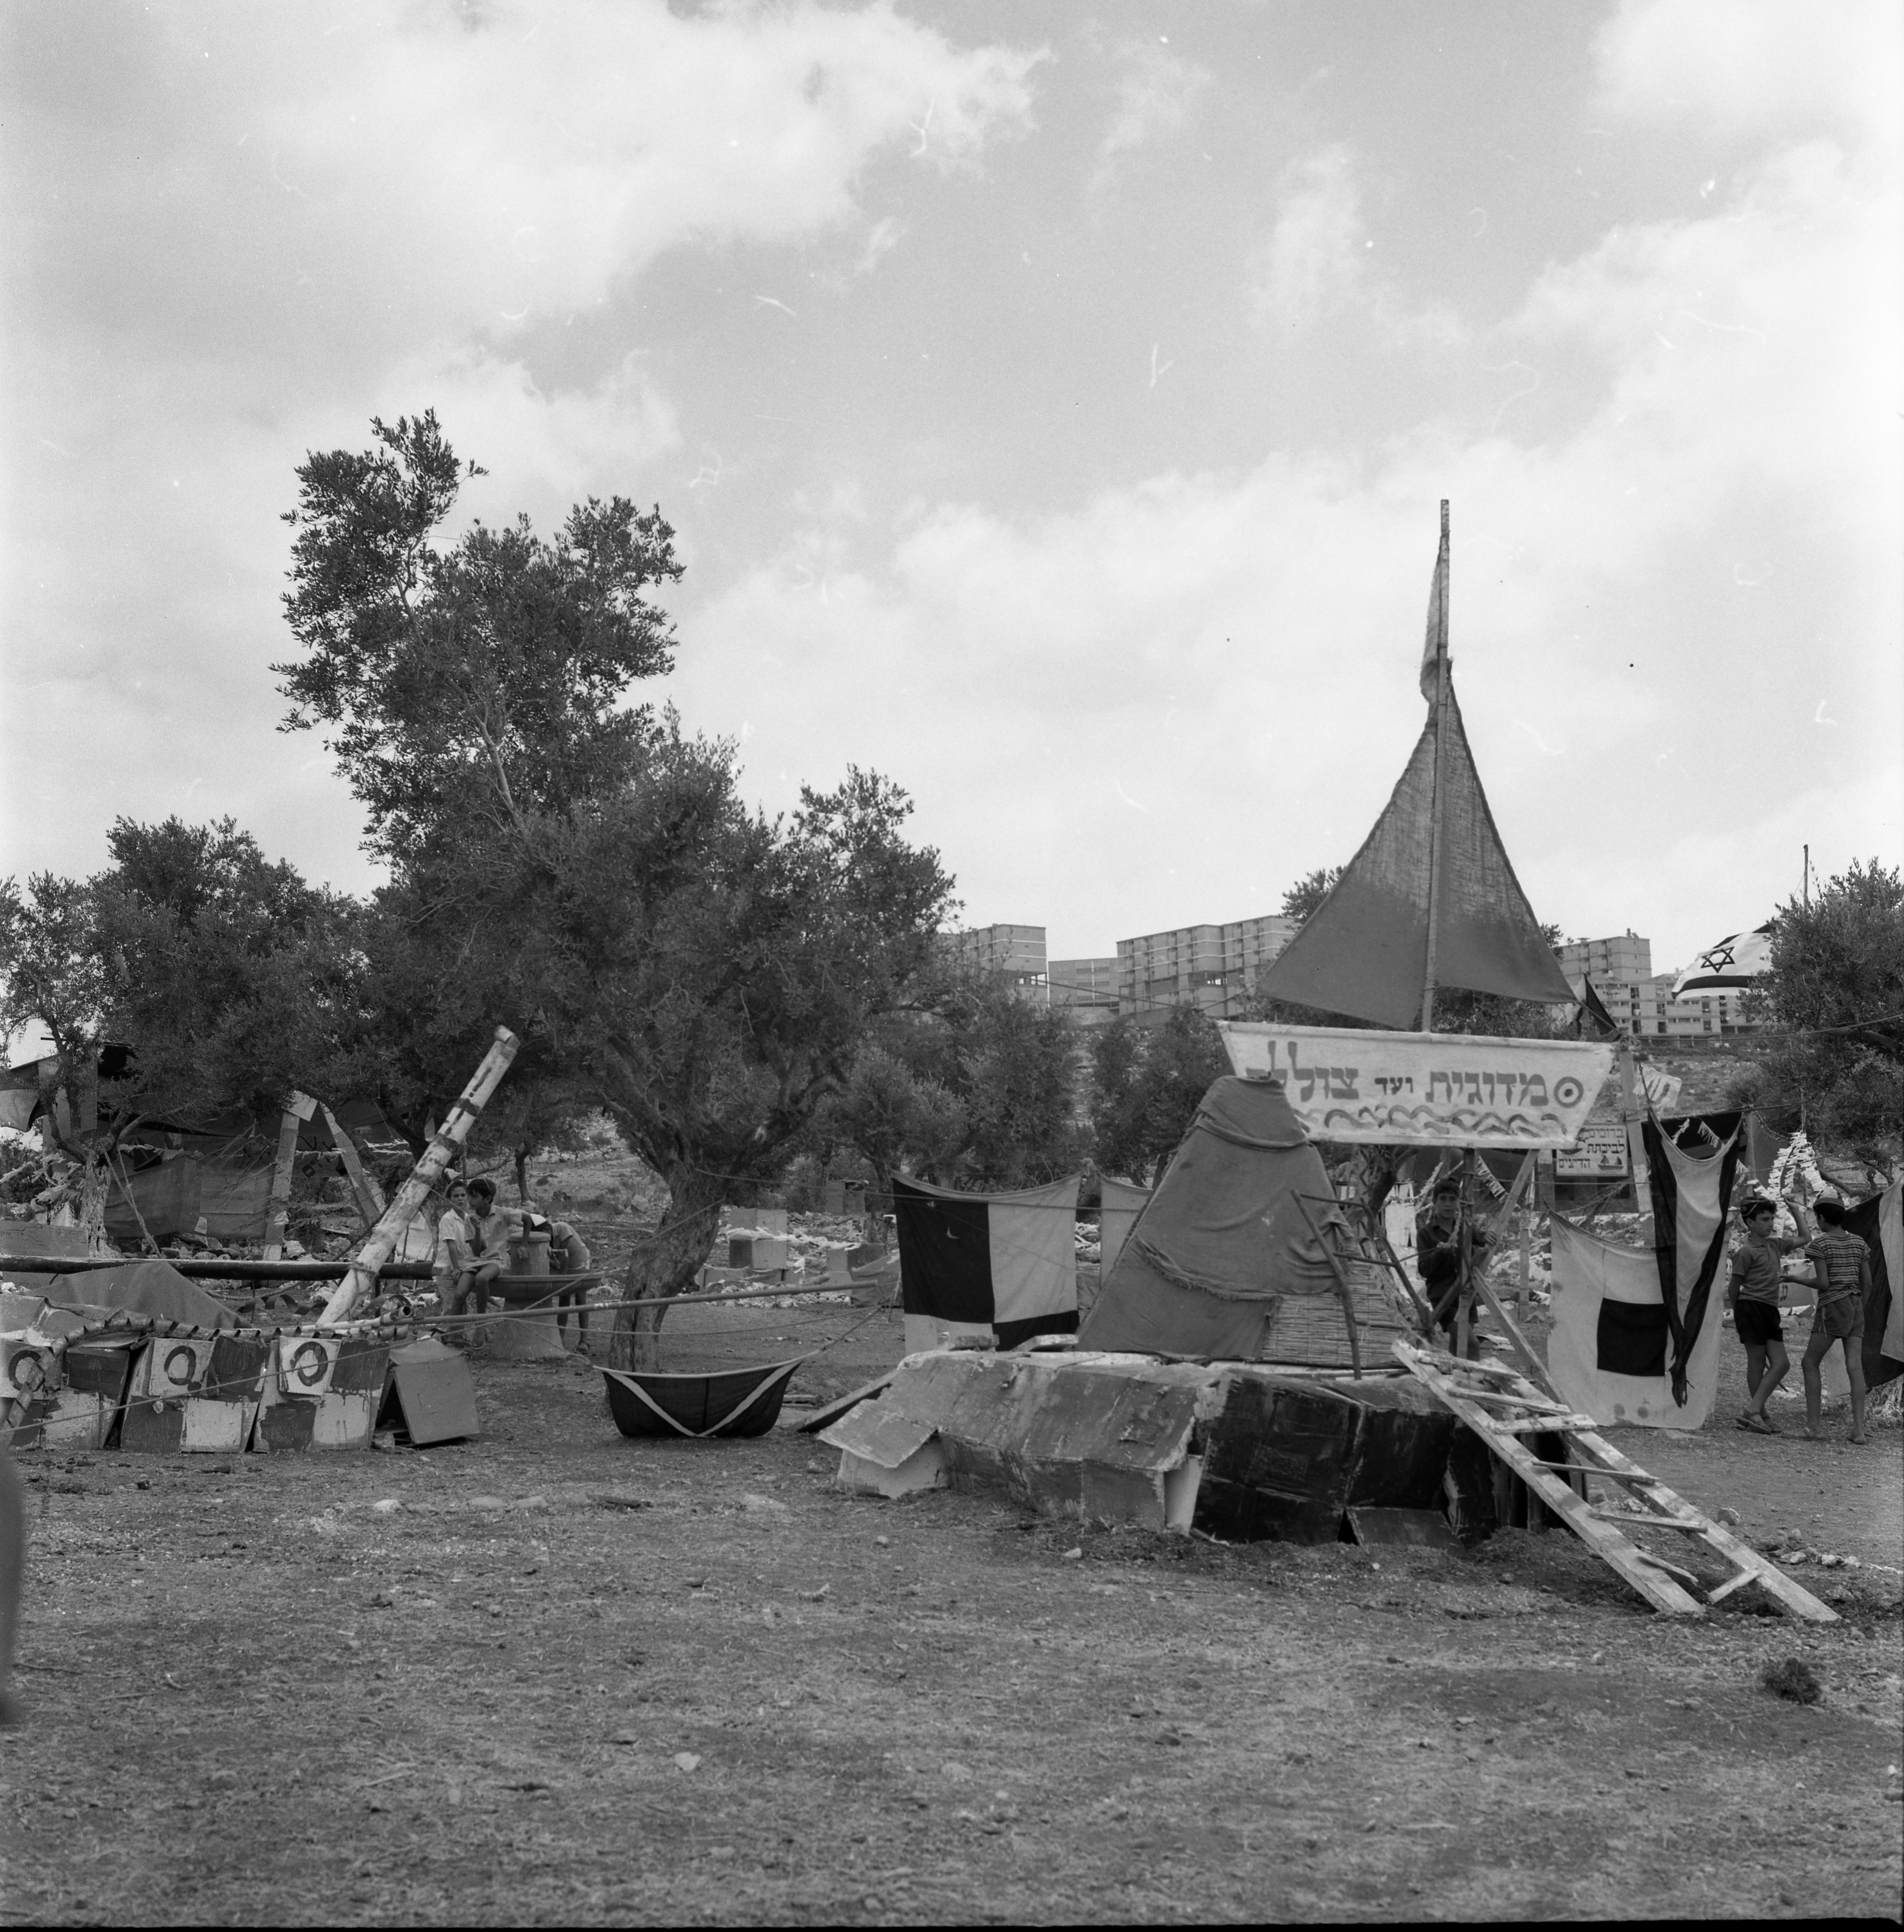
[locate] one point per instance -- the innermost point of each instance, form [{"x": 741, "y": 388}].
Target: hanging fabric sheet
[
  {"x": 1879, "y": 1223},
  {"x": 1122, "y": 1204},
  {"x": 1004, "y": 1264},
  {"x": 1609, "y": 1352},
  {"x": 1690, "y": 1199}
]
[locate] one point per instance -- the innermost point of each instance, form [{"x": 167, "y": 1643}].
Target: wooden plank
[
  {"x": 1672, "y": 1569},
  {"x": 1696, "y": 1525},
  {"x": 1658, "y": 1588},
  {"x": 369, "y": 1196},
  {"x": 1740, "y": 1555},
  {"x": 443, "y": 1143},
  {"x": 1528, "y": 1425},
  {"x": 1535, "y": 1405},
  {"x": 1536, "y": 1368},
  {"x": 297, "y": 1108},
  {"x": 825, "y": 1416}
]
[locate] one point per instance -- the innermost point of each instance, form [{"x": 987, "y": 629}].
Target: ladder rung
[
  {"x": 1730, "y": 1584},
  {"x": 1535, "y": 1405},
  {"x": 1696, "y": 1525},
  {"x": 1612, "y": 1475},
  {"x": 1671, "y": 1569},
  {"x": 1540, "y": 1425}
]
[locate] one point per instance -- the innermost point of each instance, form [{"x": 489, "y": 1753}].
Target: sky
[{"x": 1053, "y": 403}]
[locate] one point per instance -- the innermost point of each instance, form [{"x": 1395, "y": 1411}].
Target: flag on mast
[{"x": 1434, "y": 647}]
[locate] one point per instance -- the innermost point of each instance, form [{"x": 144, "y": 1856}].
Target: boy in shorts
[
  {"x": 1752, "y": 1294},
  {"x": 1843, "y": 1266}
]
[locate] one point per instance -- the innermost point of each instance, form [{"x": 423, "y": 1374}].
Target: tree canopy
[
  {"x": 1832, "y": 999},
  {"x": 1148, "y": 1081},
  {"x": 572, "y": 864}
]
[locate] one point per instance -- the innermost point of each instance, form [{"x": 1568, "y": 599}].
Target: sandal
[{"x": 1757, "y": 1424}]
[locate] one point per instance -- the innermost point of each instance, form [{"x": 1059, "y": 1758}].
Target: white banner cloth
[
  {"x": 1588, "y": 1274},
  {"x": 1424, "y": 1089}
]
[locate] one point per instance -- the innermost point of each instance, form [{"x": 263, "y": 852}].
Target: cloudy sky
[{"x": 1052, "y": 401}]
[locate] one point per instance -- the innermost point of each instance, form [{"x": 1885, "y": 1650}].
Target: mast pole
[{"x": 1440, "y": 718}]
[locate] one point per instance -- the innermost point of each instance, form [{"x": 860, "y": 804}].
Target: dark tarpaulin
[
  {"x": 1223, "y": 1237},
  {"x": 1364, "y": 950},
  {"x": 145, "y": 1288},
  {"x": 1863, "y": 1221}
]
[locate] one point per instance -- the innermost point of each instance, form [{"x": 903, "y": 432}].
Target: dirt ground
[{"x": 555, "y": 1676}]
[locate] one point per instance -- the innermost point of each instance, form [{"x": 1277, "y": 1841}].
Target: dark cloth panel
[
  {"x": 1632, "y": 1339},
  {"x": 1879, "y": 1368},
  {"x": 945, "y": 1254},
  {"x": 1013, "y": 1334},
  {"x": 1685, "y": 1303}
]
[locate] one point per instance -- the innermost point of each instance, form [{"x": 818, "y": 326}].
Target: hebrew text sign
[{"x": 1424, "y": 1089}]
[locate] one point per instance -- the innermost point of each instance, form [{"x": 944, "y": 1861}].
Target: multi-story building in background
[
  {"x": 1211, "y": 967},
  {"x": 1621, "y": 970},
  {"x": 1086, "y": 989},
  {"x": 1016, "y": 953},
  {"x": 1641, "y": 1000}
]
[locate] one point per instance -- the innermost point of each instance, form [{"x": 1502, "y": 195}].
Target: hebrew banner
[{"x": 1424, "y": 1089}]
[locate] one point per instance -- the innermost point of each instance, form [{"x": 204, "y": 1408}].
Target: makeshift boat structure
[{"x": 1239, "y": 1373}]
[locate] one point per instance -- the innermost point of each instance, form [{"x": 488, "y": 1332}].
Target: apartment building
[
  {"x": 1086, "y": 989},
  {"x": 1015, "y": 953},
  {"x": 1211, "y": 967}
]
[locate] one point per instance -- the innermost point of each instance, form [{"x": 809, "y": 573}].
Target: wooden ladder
[{"x": 1503, "y": 1407}]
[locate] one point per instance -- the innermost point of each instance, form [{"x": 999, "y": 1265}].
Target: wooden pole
[
  {"x": 299, "y": 1108},
  {"x": 437, "y": 1156},
  {"x": 1630, "y": 1116},
  {"x": 370, "y": 1203},
  {"x": 1442, "y": 573}
]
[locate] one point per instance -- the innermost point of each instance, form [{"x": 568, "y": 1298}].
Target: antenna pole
[{"x": 1440, "y": 721}]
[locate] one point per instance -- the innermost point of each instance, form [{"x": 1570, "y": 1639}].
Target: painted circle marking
[
  {"x": 1567, "y": 1091},
  {"x": 310, "y": 1363},
  {"x": 169, "y": 1368}
]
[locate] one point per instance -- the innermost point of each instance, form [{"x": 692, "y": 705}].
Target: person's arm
[{"x": 1740, "y": 1263}]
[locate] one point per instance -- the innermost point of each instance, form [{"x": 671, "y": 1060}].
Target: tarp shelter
[
  {"x": 151, "y": 1288},
  {"x": 1122, "y": 1204},
  {"x": 1002, "y": 1265},
  {"x": 174, "y": 1196},
  {"x": 1225, "y": 1262}
]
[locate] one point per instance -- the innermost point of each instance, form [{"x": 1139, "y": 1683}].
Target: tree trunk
[
  {"x": 666, "y": 1264},
  {"x": 522, "y": 1174}
]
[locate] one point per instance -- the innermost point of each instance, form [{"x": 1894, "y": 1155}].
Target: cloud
[
  {"x": 1237, "y": 649},
  {"x": 242, "y": 232},
  {"x": 1313, "y": 260},
  {"x": 1156, "y": 90},
  {"x": 1758, "y": 66}
]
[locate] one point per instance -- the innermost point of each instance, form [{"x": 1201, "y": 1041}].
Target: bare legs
[
  {"x": 1767, "y": 1365},
  {"x": 1813, "y": 1369}
]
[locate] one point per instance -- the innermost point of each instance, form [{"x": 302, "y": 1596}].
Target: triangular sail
[{"x": 1364, "y": 951}]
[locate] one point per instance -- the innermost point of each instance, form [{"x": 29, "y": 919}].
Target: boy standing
[
  {"x": 1752, "y": 1294},
  {"x": 1438, "y": 1260},
  {"x": 1843, "y": 1267}
]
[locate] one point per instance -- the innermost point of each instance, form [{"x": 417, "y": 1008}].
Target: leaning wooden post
[
  {"x": 370, "y": 1197},
  {"x": 442, "y": 1150},
  {"x": 299, "y": 1108}
]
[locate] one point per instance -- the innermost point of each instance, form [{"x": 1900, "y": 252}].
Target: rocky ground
[{"x": 556, "y": 1676}]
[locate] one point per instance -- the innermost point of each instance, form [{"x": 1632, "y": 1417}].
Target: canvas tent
[{"x": 1225, "y": 1262}]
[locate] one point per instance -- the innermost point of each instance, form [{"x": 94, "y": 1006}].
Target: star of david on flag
[{"x": 1736, "y": 961}]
